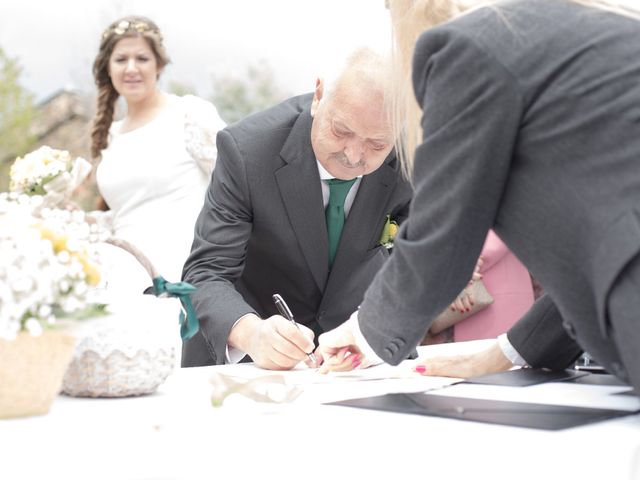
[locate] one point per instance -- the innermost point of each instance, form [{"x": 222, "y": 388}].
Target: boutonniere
[{"x": 389, "y": 232}]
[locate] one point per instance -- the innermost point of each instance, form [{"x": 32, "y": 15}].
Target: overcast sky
[{"x": 55, "y": 41}]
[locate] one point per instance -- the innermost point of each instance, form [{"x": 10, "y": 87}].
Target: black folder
[
  {"x": 528, "y": 415},
  {"x": 523, "y": 377}
]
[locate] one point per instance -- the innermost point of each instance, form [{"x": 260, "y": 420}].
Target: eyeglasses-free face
[{"x": 133, "y": 69}]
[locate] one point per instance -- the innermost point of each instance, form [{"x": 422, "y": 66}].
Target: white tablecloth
[{"x": 177, "y": 434}]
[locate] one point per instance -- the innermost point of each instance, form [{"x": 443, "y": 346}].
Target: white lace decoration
[{"x": 201, "y": 125}]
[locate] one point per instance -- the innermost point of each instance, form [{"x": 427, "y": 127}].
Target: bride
[{"x": 155, "y": 163}]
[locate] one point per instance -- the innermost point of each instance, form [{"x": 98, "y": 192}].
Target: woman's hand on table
[
  {"x": 491, "y": 360},
  {"x": 338, "y": 351}
]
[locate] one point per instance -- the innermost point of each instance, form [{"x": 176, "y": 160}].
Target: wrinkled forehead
[{"x": 363, "y": 111}]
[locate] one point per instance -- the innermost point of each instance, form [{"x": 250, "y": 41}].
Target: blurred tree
[
  {"x": 181, "y": 89},
  {"x": 17, "y": 111},
  {"x": 235, "y": 98}
]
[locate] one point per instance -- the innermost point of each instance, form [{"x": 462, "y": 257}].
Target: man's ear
[{"x": 317, "y": 96}]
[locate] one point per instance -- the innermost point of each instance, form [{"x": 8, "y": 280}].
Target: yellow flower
[
  {"x": 90, "y": 270},
  {"x": 389, "y": 232},
  {"x": 58, "y": 241}
]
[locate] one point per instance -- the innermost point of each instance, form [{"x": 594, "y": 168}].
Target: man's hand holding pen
[
  {"x": 273, "y": 343},
  {"x": 284, "y": 310}
]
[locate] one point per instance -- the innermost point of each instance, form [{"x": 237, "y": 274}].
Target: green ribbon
[{"x": 189, "y": 325}]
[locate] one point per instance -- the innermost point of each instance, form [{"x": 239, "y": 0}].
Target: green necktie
[{"x": 338, "y": 190}]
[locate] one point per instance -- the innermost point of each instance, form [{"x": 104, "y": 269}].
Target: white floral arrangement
[
  {"x": 49, "y": 172},
  {"x": 48, "y": 265}
]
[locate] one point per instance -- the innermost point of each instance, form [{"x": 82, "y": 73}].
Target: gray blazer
[
  {"x": 262, "y": 230},
  {"x": 532, "y": 128}
]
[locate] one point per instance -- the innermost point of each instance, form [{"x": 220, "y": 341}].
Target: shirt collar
[{"x": 324, "y": 175}]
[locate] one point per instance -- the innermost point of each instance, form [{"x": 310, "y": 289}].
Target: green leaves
[
  {"x": 236, "y": 97},
  {"x": 17, "y": 111}
]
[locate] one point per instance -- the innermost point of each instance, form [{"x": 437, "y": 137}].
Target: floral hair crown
[{"x": 126, "y": 26}]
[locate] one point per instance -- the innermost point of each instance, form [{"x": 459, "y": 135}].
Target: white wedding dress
[{"x": 154, "y": 180}]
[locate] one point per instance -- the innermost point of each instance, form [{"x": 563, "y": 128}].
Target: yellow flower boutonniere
[{"x": 389, "y": 232}]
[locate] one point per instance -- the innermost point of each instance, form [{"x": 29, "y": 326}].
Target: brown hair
[{"x": 130, "y": 26}]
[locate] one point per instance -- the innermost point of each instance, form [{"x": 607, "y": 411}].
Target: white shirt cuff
[
  {"x": 232, "y": 354},
  {"x": 361, "y": 342},
  {"x": 510, "y": 352}
]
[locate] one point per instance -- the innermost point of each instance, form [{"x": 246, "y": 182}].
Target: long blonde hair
[
  {"x": 410, "y": 18},
  {"x": 131, "y": 26}
]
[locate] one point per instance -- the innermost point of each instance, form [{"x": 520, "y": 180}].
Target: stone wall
[{"x": 63, "y": 122}]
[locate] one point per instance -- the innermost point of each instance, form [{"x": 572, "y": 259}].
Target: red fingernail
[
  {"x": 420, "y": 368},
  {"x": 355, "y": 359},
  {"x": 356, "y": 364}
]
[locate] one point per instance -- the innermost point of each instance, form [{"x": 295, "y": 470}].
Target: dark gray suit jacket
[
  {"x": 262, "y": 231},
  {"x": 532, "y": 128}
]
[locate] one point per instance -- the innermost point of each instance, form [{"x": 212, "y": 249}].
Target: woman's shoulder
[
  {"x": 197, "y": 112},
  {"x": 519, "y": 25},
  {"x": 201, "y": 125},
  {"x": 191, "y": 103}
]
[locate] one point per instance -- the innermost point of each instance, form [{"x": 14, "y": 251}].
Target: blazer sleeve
[
  {"x": 401, "y": 213},
  {"x": 472, "y": 108},
  {"x": 218, "y": 252},
  {"x": 540, "y": 338}
]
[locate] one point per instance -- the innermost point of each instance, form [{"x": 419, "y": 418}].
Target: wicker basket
[
  {"x": 117, "y": 374},
  {"x": 122, "y": 354},
  {"x": 31, "y": 372}
]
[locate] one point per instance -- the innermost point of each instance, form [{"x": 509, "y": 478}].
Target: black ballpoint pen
[{"x": 283, "y": 308}]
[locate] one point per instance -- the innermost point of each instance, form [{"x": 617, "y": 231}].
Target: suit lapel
[{"x": 299, "y": 184}]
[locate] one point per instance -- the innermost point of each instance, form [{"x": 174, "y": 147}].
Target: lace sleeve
[{"x": 201, "y": 126}]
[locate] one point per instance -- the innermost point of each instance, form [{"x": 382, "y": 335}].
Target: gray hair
[{"x": 364, "y": 67}]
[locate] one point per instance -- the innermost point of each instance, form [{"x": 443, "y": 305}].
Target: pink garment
[{"x": 509, "y": 283}]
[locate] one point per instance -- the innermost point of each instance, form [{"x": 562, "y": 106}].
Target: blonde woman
[
  {"x": 155, "y": 163},
  {"x": 531, "y": 127}
]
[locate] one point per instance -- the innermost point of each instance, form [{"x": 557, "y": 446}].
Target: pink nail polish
[{"x": 420, "y": 369}]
